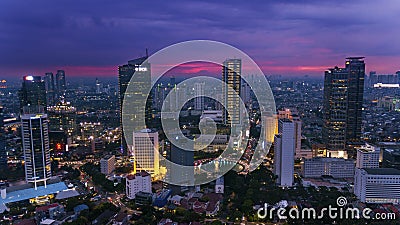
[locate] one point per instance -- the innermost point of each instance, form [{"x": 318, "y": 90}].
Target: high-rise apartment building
[
  {"x": 284, "y": 152},
  {"x": 343, "y": 98},
  {"x": 293, "y": 115},
  {"x": 35, "y": 143},
  {"x": 231, "y": 75},
  {"x": 139, "y": 182}
]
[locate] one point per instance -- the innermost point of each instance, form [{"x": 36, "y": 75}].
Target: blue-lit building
[
  {"x": 161, "y": 198},
  {"x": 29, "y": 192}
]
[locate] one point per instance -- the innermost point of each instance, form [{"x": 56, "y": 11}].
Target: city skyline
[
  {"x": 199, "y": 112},
  {"x": 311, "y": 35}
]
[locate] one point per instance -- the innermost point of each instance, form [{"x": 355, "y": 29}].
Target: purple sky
[{"x": 92, "y": 37}]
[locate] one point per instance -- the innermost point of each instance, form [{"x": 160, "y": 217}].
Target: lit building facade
[
  {"x": 62, "y": 117},
  {"x": 145, "y": 150},
  {"x": 231, "y": 75},
  {"x": 321, "y": 166},
  {"x": 35, "y": 142}
]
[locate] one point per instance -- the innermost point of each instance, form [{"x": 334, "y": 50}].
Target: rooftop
[
  {"x": 107, "y": 157},
  {"x": 382, "y": 171},
  {"x": 25, "y": 194},
  {"x": 46, "y": 207},
  {"x": 328, "y": 159},
  {"x": 368, "y": 149}
]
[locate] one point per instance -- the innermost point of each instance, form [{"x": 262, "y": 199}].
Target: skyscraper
[
  {"x": 180, "y": 178},
  {"x": 33, "y": 92},
  {"x": 343, "y": 98},
  {"x": 284, "y": 152},
  {"x": 35, "y": 143},
  {"x": 3, "y": 152},
  {"x": 61, "y": 85},
  {"x": 50, "y": 90},
  {"x": 231, "y": 75},
  {"x": 199, "y": 91},
  {"x": 293, "y": 115},
  {"x": 138, "y": 102},
  {"x": 245, "y": 92},
  {"x": 145, "y": 151}
]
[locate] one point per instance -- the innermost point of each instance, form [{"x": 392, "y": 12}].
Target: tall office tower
[
  {"x": 293, "y": 115},
  {"x": 98, "y": 87},
  {"x": 141, "y": 70},
  {"x": 284, "y": 153},
  {"x": 35, "y": 143},
  {"x": 33, "y": 92},
  {"x": 199, "y": 101},
  {"x": 245, "y": 92},
  {"x": 145, "y": 150},
  {"x": 180, "y": 179},
  {"x": 61, "y": 85},
  {"x": 367, "y": 157},
  {"x": 231, "y": 75},
  {"x": 50, "y": 90},
  {"x": 343, "y": 98},
  {"x": 3, "y": 151}
]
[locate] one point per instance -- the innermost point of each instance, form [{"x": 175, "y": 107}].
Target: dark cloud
[{"x": 43, "y": 35}]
